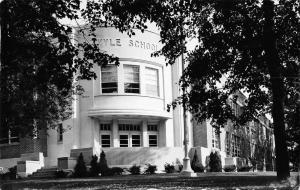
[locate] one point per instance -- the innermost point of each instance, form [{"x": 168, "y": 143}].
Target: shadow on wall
[{"x": 143, "y": 155}]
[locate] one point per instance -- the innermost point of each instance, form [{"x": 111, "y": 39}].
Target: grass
[{"x": 158, "y": 181}]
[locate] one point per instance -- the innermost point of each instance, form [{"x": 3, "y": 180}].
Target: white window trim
[{"x": 105, "y": 133}]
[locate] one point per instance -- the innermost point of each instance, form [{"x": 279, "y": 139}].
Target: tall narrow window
[
  {"x": 227, "y": 143},
  {"x": 215, "y": 138},
  {"x": 131, "y": 79},
  {"x": 60, "y": 132},
  {"x": 109, "y": 79},
  {"x": 236, "y": 145},
  {"x": 152, "y": 82}
]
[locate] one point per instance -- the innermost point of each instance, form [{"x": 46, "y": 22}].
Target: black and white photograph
[{"x": 150, "y": 94}]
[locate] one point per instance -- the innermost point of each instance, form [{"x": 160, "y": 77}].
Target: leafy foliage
[
  {"x": 94, "y": 170},
  {"x": 61, "y": 174},
  {"x": 103, "y": 167},
  {"x": 215, "y": 163},
  {"x": 39, "y": 59},
  {"x": 249, "y": 46},
  {"x": 169, "y": 168},
  {"x": 135, "y": 170},
  {"x": 150, "y": 169},
  {"x": 229, "y": 168},
  {"x": 196, "y": 164},
  {"x": 80, "y": 167}
]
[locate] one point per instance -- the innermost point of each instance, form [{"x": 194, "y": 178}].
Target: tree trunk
[{"x": 277, "y": 88}]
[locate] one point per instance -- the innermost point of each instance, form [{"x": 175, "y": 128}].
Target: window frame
[
  {"x": 157, "y": 82},
  {"x": 117, "y": 80},
  {"x": 125, "y": 82}
]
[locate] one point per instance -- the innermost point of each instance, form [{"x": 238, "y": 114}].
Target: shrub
[
  {"x": 215, "y": 163},
  {"x": 94, "y": 171},
  {"x": 229, "y": 168},
  {"x": 116, "y": 171},
  {"x": 135, "y": 170},
  {"x": 61, "y": 174},
  {"x": 244, "y": 169},
  {"x": 150, "y": 169},
  {"x": 179, "y": 165},
  {"x": 12, "y": 172},
  {"x": 80, "y": 168},
  {"x": 196, "y": 165},
  {"x": 103, "y": 167},
  {"x": 169, "y": 168}
]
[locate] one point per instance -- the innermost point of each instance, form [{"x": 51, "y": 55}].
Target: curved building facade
[{"x": 123, "y": 112}]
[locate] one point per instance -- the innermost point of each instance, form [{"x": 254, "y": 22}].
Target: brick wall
[{"x": 10, "y": 151}]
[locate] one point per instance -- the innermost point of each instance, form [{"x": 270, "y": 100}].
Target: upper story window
[
  {"x": 60, "y": 133},
  {"x": 152, "y": 87},
  {"x": 131, "y": 79},
  {"x": 109, "y": 79}
]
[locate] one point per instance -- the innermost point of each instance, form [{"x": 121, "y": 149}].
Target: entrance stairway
[{"x": 44, "y": 173}]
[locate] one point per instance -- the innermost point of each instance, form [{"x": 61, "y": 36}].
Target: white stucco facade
[{"x": 95, "y": 108}]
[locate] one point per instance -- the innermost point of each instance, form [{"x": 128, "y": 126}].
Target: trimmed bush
[
  {"x": 196, "y": 165},
  {"x": 244, "y": 169},
  {"x": 215, "y": 163},
  {"x": 80, "y": 168},
  {"x": 61, "y": 174},
  {"x": 94, "y": 170},
  {"x": 229, "y": 168},
  {"x": 116, "y": 171},
  {"x": 103, "y": 167},
  {"x": 151, "y": 169},
  {"x": 135, "y": 170},
  {"x": 169, "y": 168},
  {"x": 179, "y": 165}
]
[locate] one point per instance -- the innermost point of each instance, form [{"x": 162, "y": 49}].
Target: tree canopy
[
  {"x": 40, "y": 63},
  {"x": 251, "y": 46}
]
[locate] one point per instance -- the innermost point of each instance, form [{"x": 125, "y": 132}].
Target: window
[
  {"x": 123, "y": 140},
  {"x": 151, "y": 80},
  {"x": 131, "y": 79},
  {"x": 129, "y": 127},
  {"x": 136, "y": 140},
  {"x": 9, "y": 136},
  {"x": 227, "y": 144},
  {"x": 105, "y": 140},
  {"x": 109, "y": 79},
  {"x": 152, "y": 140},
  {"x": 152, "y": 128},
  {"x": 215, "y": 138},
  {"x": 60, "y": 132},
  {"x": 105, "y": 126},
  {"x": 236, "y": 145}
]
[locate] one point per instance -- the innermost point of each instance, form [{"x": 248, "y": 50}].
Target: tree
[
  {"x": 94, "y": 171},
  {"x": 80, "y": 168},
  {"x": 39, "y": 60},
  {"x": 103, "y": 167},
  {"x": 241, "y": 45}
]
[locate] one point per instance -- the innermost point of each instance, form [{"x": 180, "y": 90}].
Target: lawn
[{"x": 160, "y": 181}]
